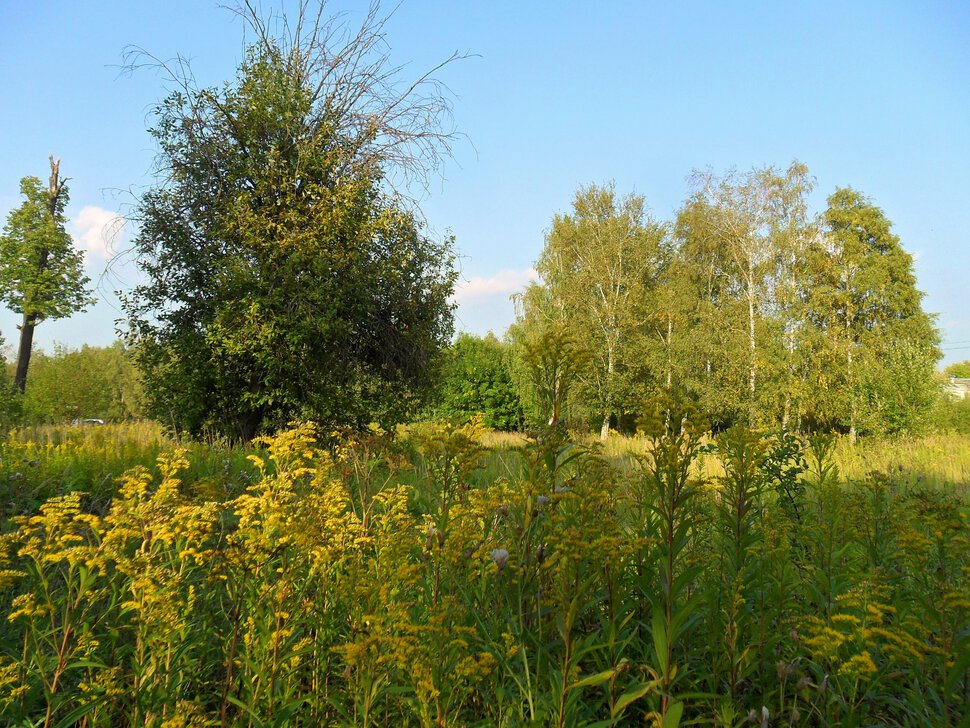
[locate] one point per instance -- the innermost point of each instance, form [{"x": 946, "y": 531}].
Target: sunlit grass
[
  {"x": 428, "y": 580},
  {"x": 40, "y": 462},
  {"x": 939, "y": 460}
]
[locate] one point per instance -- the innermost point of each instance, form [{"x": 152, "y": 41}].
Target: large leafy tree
[
  {"x": 742, "y": 238},
  {"x": 285, "y": 276},
  {"x": 41, "y": 273},
  {"x": 876, "y": 348}
]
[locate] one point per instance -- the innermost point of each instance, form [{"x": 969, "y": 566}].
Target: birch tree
[
  {"x": 599, "y": 261},
  {"x": 752, "y": 226}
]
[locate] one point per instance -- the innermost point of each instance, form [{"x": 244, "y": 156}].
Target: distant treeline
[
  {"x": 747, "y": 304},
  {"x": 93, "y": 382}
]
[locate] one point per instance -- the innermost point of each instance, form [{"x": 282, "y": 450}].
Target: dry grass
[{"x": 942, "y": 460}]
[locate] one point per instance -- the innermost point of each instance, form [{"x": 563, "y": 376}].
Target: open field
[
  {"x": 428, "y": 580},
  {"x": 37, "y": 463},
  {"x": 941, "y": 460}
]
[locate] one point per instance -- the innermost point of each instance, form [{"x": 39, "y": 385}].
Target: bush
[{"x": 476, "y": 379}]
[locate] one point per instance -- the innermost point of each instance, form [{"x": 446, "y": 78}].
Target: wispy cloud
[
  {"x": 502, "y": 284},
  {"x": 97, "y": 231}
]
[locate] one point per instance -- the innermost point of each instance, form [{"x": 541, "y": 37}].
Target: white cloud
[
  {"x": 502, "y": 284},
  {"x": 97, "y": 231}
]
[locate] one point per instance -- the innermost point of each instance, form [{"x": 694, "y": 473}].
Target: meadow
[{"x": 449, "y": 575}]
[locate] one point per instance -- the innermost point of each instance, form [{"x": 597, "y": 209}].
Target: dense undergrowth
[{"x": 423, "y": 580}]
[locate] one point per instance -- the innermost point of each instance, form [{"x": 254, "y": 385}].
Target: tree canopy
[
  {"x": 960, "y": 369},
  {"x": 598, "y": 266},
  {"x": 749, "y": 305},
  {"x": 91, "y": 382},
  {"x": 286, "y": 277},
  {"x": 476, "y": 380}
]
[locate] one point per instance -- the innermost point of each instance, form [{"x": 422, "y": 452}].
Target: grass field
[
  {"x": 454, "y": 576},
  {"x": 941, "y": 460}
]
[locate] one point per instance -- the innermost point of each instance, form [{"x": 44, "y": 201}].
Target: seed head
[{"x": 500, "y": 557}]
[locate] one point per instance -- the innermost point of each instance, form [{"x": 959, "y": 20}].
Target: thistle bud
[{"x": 469, "y": 552}]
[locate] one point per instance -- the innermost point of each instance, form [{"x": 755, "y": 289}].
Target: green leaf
[
  {"x": 593, "y": 680},
  {"x": 674, "y": 713},
  {"x": 632, "y": 696}
]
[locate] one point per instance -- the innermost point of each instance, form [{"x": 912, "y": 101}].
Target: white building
[{"x": 958, "y": 387}]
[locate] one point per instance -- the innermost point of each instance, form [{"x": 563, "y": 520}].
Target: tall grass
[
  {"x": 41, "y": 462},
  {"x": 428, "y": 580},
  {"x": 941, "y": 460}
]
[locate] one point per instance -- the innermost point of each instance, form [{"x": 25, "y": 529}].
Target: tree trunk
[
  {"x": 56, "y": 185},
  {"x": 610, "y": 367},
  {"x": 670, "y": 357},
  {"x": 23, "y": 353},
  {"x": 852, "y": 397},
  {"x": 752, "y": 366},
  {"x": 786, "y": 414},
  {"x": 850, "y": 377}
]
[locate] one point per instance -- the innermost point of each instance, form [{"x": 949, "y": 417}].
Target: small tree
[
  {"x": 476, "y": 378},
  {"x": 41, "y": 273}
]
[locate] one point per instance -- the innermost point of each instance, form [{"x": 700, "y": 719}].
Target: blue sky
[{"x": 870, "y": 94}]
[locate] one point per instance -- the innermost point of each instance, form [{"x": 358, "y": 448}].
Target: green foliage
[
  {"x": 960, "y": 369},
  {"x": 759, "y": 311},
  {"x": 552, "y": 361},
  {"x": 952, "y": 414},
  {"x": 41, "y": 273},
  {"x": 354, "y": 587},
  {"x": 91, "y": 382},
  {"x": 876, "y": 354},
  {"x": 598, "y": 264},
  {"x": 475, "y": 379},
  {"x": 9, "y": 397},
  {"x": 899, "y": 391},
  {"x": 285, "y": 279}
]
